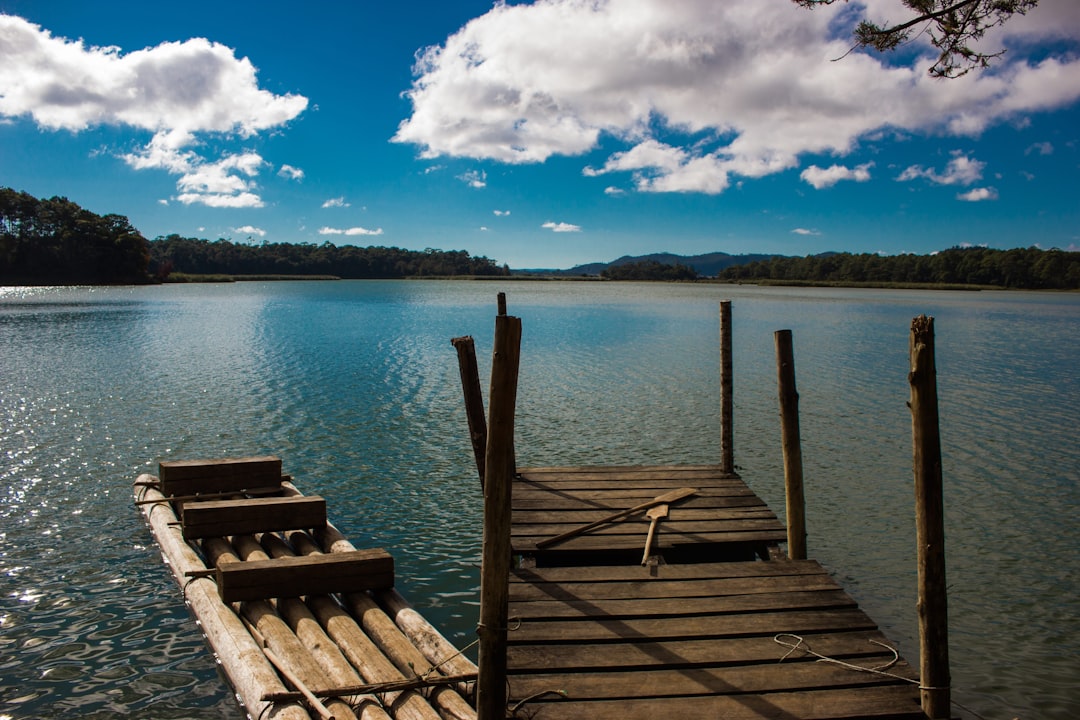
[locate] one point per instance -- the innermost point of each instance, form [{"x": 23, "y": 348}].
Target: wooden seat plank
[
  {"x": 340, "y": 572},
  {"x": 221, "y": 518},
  {"x": 191, "y": 477}
]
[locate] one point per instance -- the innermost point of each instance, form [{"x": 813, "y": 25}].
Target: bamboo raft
[{"x": 302, "y": 623}]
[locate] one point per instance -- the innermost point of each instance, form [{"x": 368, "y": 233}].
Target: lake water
[{"x": 354, "y": 384}]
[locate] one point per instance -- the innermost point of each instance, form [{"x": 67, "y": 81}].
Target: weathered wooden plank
[
  {"x": 629, "y": 497},
  {"x": 188, "y": 477},
  {"x": 673, "y": 682},
  {"x": 637, "y": 528},
  {"x": 665, "y": 541},
  {"x": 657, "y": 607},
  {"x": 558, "y": 502},
  {"x": 344, "y": 572},
  {"x": 643, "y": 485},
  {"x": 656, "y": 588},
  {"x": 798, "y": 622},
  {"x": 637, "y": 472},
  {"x": 893, "y": 702},
  {"x": 579, "y": 657},
  {"x": 220, "y": 518},
  {"x": 681, "y": 514},
  {"x": 620, "y": 573}
]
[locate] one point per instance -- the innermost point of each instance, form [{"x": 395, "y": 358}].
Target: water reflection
[{"x": 355, "y": 386}]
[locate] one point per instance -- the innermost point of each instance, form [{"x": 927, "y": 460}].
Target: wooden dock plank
[
  {"x": 585, "y": 657},
  {"x": 602, "y": 630},
  {"x": 887, "y": 703},
  {"x": 697, "y": 681}
]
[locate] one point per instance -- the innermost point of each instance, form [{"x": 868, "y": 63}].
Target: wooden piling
[
  {"x": 792, "y": 444},
  {"x": 929, "y": 522},
  {"x": 495, "y": 568},
  {"x": 474, "y": 399},
  {"x": 727, "y": 414}
]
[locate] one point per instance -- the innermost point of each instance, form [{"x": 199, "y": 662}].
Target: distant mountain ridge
[{"x": 709, "y": 264}]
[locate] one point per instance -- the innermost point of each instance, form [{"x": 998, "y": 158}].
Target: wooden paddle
[
  {"x": 655, "y": 515},
  {"x": 669, "y": 497}
]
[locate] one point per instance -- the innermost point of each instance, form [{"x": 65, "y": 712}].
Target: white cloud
[
  {"x": 612, "y": 190},
  {"x": 1042, "y": 148},
  {"x": 740, "y": 88},
  {"x": 805, "y": 231},
  {"x": 961, "y": 170},
  {"x": 291, "y": 173},
  {"x": 561, "y": 227},
  {"x": 338, "y": 202},
  {"x": 978, "y": 195},
  {"x": 821, "y": 178},
  {"x": 353, "y": 231},
  {"x": 249, "y": 230},
  {"x": 483, "y": 228},
  {"x": 176, "y": 90},
  {"x": 474, "y": 178},
  {"x": 501, "y": 213}
]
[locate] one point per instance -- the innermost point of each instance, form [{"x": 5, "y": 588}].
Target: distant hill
[{"x": 708, "y": 265}]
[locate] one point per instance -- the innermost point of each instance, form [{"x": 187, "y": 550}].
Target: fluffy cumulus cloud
[
  {"x": 249, "y": 230},
  {"x": 827, "y": 177},
  {"x": 961, "y": 170},
  {"x": 338, "y": 202},
  {"x": 561, "y": 227},
  {"x": 978, "y": 195},
  {"x": 700, "y": 94},
  {"x": 176, "y": 91},
  {"x": 349, "y": 232}
]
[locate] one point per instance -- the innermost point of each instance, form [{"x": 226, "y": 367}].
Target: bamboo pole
[
  {"x": 929, "y": 523},
  {"x": 495, "y": 568},
  {"x": 727, "y": 428},
  {"x": 474, "y": 399},
  {"x": 792, "y": 443}
]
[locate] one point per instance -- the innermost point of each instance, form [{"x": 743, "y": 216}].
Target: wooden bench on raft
[{"x": 319, "y": 574}]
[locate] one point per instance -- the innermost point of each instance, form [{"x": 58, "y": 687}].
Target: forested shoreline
[{"x": 55, "y": 242}]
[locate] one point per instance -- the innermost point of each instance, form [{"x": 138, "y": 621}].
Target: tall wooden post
[
  {"x": 929, "y": 523},
  {"x": 474, "y": 399},
  {"x": 500, "y": 301},
  {"x": 499, "y": 473},
  {"x": 792, "y": 444},
  {"x": 727, "y": 428}
]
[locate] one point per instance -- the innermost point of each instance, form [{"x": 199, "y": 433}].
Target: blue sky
[{"x": 541, "y": 134}]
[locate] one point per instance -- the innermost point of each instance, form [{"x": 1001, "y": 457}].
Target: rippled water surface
[{"x": 354, "y": 385}]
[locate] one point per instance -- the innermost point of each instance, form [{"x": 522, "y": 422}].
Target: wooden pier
[
  {"x": 662, "y": 591},
  {"x": 704, "y": 629}
]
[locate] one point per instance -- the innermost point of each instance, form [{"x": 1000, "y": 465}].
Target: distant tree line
[
  {"x": 649, "y": 270},
  {"x": 223, "y": 257},
  {"x": 55, "y": 242},
  {"x": 1022, "y": 268}
]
